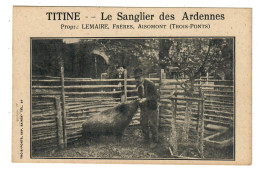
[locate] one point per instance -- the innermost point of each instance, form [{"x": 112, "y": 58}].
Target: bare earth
[{"x": 132, "y": 146}]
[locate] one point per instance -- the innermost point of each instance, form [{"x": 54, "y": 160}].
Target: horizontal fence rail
[{"x": 84, "y": 97}]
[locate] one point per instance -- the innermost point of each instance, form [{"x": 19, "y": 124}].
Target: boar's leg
[
  {"x": 90, "y": 135},
  {"x": 85, "y": 135},
  {"x": 118, "y": 136}
]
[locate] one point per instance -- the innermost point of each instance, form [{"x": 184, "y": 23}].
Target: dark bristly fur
[{"x": 110, "y": 122}]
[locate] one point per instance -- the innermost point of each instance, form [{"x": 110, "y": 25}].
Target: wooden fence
[
  {"x": 219, "y": 100},
  {"x": 60, "y": 105},
  {"x": 217, "y": 107},
  {"x": 46, "y": 126}
]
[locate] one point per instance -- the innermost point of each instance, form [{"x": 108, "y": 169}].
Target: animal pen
[{"x": 60, "y": 105}]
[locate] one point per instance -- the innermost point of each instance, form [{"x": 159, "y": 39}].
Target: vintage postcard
[{"x": 132, "y": 85}]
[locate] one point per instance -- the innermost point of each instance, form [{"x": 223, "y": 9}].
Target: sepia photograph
[{"x": 132, "y": 98}]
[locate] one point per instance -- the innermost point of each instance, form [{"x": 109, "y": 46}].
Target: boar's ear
[{"x": 122, "y": 108}]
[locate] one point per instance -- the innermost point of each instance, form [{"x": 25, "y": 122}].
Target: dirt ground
[{"x": 132, "y": 146}]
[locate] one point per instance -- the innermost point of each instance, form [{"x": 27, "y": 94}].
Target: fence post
[
  {"x": 174, "y": 137},
  {"x": 207, "y": 78},
  {"x": 59, "y": 123},
  {"x": 160, "y": 84},
  {"x": 187, "y": 120},
  {"x": 162, "y": 74},
  {"x": 198, "y": 128},
  {"x": 201, "y": 140},
  {"x": 198, "y": 118},
  {"x": 63, "y": 106},
  {"x": 125, "y": 86}
]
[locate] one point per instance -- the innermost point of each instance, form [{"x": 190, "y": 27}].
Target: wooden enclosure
[
  {"x": 211, "y": 112},
  {"x": 60, "y": 105}
]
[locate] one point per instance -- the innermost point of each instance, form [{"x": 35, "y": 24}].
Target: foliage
[
  {"x": 191, "y": 56},
  {"x": 195, "y": 57},
  {"x": 130, "y": 53},
  {"x": 46, "y": 56}
]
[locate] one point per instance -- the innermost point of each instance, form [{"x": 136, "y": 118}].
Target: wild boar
[{"x": 110, "y": 122}]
